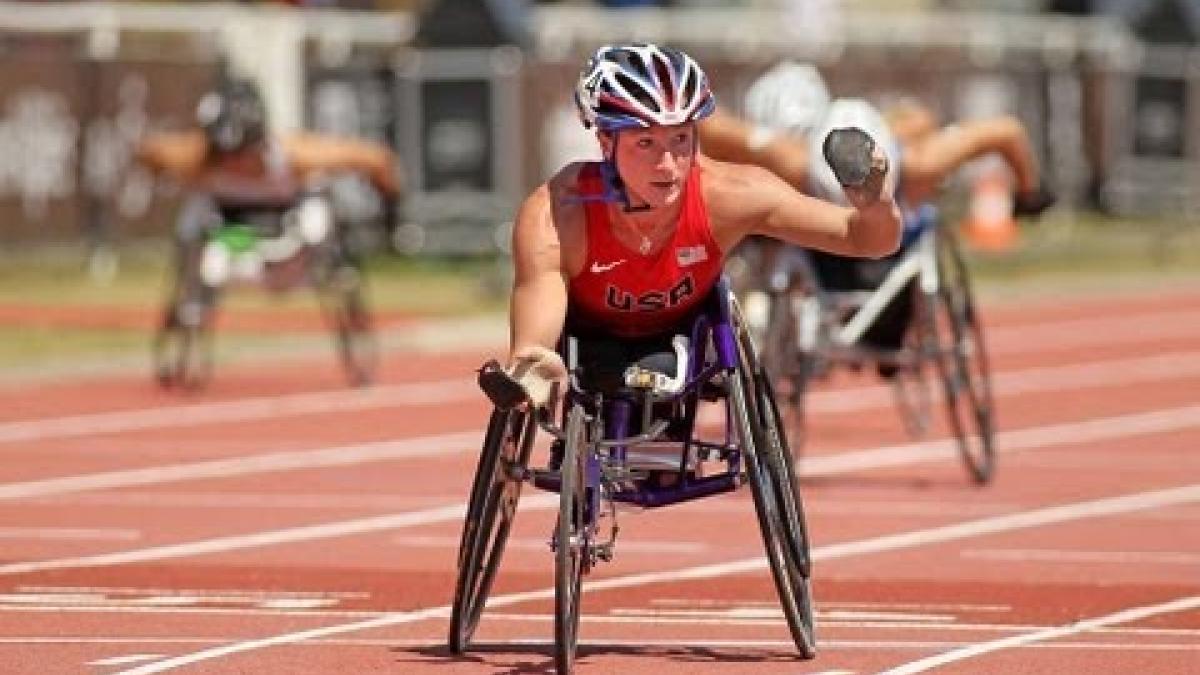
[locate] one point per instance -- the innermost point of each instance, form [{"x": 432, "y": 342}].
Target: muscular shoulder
[
  {"x": 552, "y": 212},
  {"x": 721, "y": 178},
  {"x": 737, "y": 196}
]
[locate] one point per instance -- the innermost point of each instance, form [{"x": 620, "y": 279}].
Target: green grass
[
  {"x": 60, "y": 276},
  {"x": 1092, "y": 252},
  {"x": 53, "y": 276},
  {"x": 30, "y": 347}
]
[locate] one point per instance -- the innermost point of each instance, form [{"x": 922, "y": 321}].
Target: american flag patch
[{"x": 690, "y": 255}]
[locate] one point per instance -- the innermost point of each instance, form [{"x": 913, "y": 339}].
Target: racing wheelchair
[
  {"x": 634, "y": 439},
  {"x": 916, "y": 319},
  {"x": 277, "y": 242}
]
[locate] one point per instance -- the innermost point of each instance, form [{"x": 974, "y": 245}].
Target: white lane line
[
  {"x": 1073, "y": 557},
  {"x": 627, "y": 546},
  {"x": 1073, "y": 333},
  {"x": 1017, "y": 521},
  {"x": 223, "y": 593},
  {"x": 239, "y": 612},
  {"x": 1054, "y": 378},
  {"x": 122, "y": 660},
  {"x": 1174, "y": 419},
  {"x": 971, "y": 651},
  {"x": 69, "y": 533},
  {"x": 825, "y": 623},
  {"x": 240, "y": 410},
  {"x": 256, "y": 500},
  {"x": 443, "y": 514},
  {"x": 849, "y": 604},
  {"x": 1105, "y": 373},
  {"x": 1025, "y": 439},
  {"x": 786, "y": 645},
  {"x": 1069, "y": 433},
  {"x": 734, "y": 645},
  {"x": 773, "y": 613},
  {"x": 346, "y": 455}
]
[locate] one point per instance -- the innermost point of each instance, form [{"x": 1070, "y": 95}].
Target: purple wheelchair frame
[{"x": 607, "y": 457}]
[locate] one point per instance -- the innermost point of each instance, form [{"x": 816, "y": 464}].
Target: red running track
[{"x": 281, "y": 524}]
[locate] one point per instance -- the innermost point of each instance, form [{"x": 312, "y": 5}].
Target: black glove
[
  {"x": 848, "y": 152},
  {"x": 1034, "y": 202},
  {"x": 504, "y": 391}
]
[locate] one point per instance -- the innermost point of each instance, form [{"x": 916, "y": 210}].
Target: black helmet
[{"x": 233, "y": 116}]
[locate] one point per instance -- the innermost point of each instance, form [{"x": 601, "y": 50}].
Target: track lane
[{"x": 359, "y": 561}]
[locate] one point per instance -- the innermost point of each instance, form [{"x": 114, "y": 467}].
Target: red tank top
[{"x": 627, "y": 294}]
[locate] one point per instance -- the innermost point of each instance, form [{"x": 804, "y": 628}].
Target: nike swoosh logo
[{"x": 597, "y": 268}]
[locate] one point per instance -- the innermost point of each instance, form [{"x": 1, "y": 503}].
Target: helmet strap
[{"x": 613, "y": 182}]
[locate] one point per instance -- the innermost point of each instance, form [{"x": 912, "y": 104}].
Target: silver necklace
[
  {"x": 646, "y": 245},
  {"x": 647, "y": 240}
]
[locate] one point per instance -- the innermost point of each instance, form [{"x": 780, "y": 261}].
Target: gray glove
[{"x": 848, "y": 152}]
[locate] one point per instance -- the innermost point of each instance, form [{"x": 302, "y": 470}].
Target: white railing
[{"x": 563, "y": 31}]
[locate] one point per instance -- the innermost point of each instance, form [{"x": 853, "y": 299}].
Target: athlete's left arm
[
  {"x": 314, "y": 153},
  {"x": 744, "y": 200}
]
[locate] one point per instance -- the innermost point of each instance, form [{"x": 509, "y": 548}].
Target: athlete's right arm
[{"x": 538, "y": 306}]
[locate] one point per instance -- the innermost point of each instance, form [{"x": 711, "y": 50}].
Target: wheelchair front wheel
[
  {"x": 571, "y": 541},
  {"x": 182, "y": 348},
  {"x": 490, "y": 514},
  {"x": 791, "y": 367},
  {"x": 911, "y": 387},
  {"x": 771, "y": 473}
]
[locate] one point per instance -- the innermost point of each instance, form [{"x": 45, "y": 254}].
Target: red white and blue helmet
[{"x": 637, "y": 85}]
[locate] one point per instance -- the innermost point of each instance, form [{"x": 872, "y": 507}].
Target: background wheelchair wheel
[
  {"x": 571, "y": 541},
  {"x": 786, "y": 364},
  {"x": 911, "y": 387},
  {"x": 353, "y": 330},
  {"x": 490, "y": 514},
  {"x": 962, "y": 362},
  {"x": 182, "y": 349},
  {"x": 771, "y": 473}
]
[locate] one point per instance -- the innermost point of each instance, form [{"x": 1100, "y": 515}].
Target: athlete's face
[{"x": 654, "y": 163}]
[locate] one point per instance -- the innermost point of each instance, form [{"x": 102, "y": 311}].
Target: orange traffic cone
[{"x": 989, "y": 225}]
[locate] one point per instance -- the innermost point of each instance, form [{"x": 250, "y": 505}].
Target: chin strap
[{"x": 614, "y": 191}]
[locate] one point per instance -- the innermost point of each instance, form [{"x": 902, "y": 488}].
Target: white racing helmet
[{"x": 789, "y": 98}]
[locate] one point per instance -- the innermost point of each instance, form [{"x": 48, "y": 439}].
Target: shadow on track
[{"x": 512, "y": 659}]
